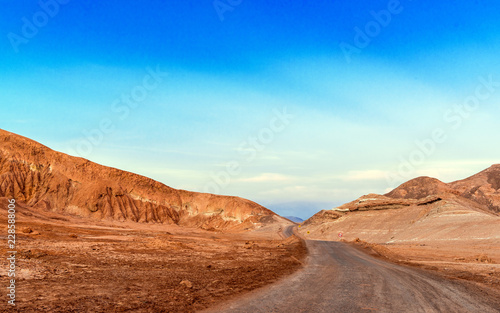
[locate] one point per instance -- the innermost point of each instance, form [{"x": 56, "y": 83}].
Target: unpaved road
[
  {"x": 339, "y": 278},
  {"x": 288, "y": 231}
]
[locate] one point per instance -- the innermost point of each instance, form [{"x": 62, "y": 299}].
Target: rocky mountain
[
  {"x": 419, "y": 188},
  {"x": 423, "y": 210},
  {"x": 479, "y": 192},
  {"x": 44, "y": 179},
  {"x": 483, "y": 188}
]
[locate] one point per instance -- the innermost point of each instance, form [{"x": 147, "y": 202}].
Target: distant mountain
[
  {"x": 294, "y": 219},
  {"x": 48, "y": 180}
]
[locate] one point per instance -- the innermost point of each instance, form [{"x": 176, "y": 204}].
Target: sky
[{"x": 297, "y": 105}]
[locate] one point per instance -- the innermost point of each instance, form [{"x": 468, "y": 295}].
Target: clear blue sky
[{"x": 380, "y": 91}]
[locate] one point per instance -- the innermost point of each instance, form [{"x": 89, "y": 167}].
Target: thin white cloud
[
  {"x": 267, "y": 177},
  {"x": 364, "y": 175}
]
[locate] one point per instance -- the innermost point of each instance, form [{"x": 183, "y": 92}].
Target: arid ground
[
  {"x": 339, "y": 278},
  {"x": 68, "y": 264},
  {"x": 457, "y": 242}
]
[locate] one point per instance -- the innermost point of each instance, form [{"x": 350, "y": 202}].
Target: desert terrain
[
  {"x": 452, "y": 229},
  {"x": 339, "y": 278},
  {"x": 48, "y": 180},
  {"x": 91, "y": 238},
  {"x": 69, "y": 264}
]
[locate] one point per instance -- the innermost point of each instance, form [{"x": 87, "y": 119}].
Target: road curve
[
  {"x": 339, "y": 278},
  {"x": 288, "y": 231}
]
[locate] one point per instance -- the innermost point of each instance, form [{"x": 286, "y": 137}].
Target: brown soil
[
  {"x": 68, "y": 264},
  {"x": 454, "y": 236},
  {"x": 446, "y": 261}
]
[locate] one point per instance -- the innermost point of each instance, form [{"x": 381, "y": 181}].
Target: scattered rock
[
  {"x": 187, "y": 284},
  {"x": 27, "y": 230},
  {"x": 483, "y": 259}
]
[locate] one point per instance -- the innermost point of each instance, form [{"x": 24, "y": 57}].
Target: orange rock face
[{"x": 48, "y": 180}]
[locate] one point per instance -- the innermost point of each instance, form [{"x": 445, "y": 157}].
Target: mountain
[
  {"x": 44, "y": 179},
  {"x": 483, "y": 188},
  {"x": 481, "y": 191},
  {"x": 418, "y": 208},
  {"x": 294, "y": 219},
  {"x": 419, "y": 188}
]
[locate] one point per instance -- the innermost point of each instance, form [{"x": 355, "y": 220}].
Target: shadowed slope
[{"x": 483, "y": 188}]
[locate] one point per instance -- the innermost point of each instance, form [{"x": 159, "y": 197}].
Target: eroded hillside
[{"x": 48, "y": 180}]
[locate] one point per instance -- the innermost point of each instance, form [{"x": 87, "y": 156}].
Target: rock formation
[
  {"x": 481, "y": 192},
  {"x": 44, "y": 179}
]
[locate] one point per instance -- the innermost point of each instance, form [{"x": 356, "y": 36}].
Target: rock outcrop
[
  {"x": 483, "y": 188},
  {"x": 480, "y": 192},
  {"x": 44, "y": 179}
]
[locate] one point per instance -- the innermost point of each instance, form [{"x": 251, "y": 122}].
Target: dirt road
[
  {"x": 288, "y": 231},
  {"x": 339, "y": 278}
]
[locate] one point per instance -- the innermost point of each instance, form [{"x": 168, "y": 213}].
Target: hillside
[
  {"x": 419, "y": 188},
  {"x": 450, "y": 228},
  {"x": 478, "y": 192},
  {"x": 47, "y": 180},
  {"x": 483, "y": 188}
]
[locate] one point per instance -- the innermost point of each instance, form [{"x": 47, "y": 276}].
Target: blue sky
[{"x": 200, "y": 94}]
